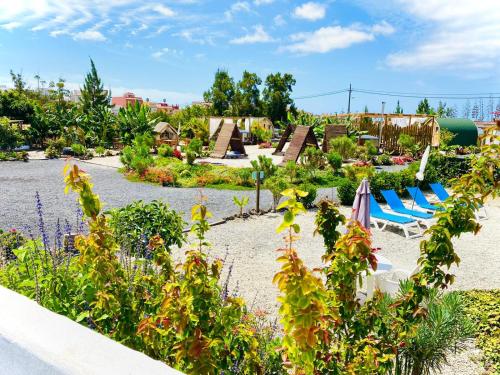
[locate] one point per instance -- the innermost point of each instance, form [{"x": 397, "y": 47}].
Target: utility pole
[{"x": 349, "y": 102}]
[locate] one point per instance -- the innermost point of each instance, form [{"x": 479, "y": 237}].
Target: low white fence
[{"x": 36, "y": 341}]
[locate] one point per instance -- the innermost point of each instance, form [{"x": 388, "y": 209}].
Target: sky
[{"x": 171, "y": 49}]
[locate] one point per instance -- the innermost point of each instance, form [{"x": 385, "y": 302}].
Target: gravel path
[
  {"x": 19, "y": 181},
  {"x": 251, "y": 246}
]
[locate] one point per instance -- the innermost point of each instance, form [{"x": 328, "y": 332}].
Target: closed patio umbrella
[{"x": 361, "y": 205}]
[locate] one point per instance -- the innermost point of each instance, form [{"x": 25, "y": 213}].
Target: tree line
[{"x": 244, "y": 98}]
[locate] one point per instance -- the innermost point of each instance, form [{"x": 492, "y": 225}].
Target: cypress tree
[{"x": 93, "y": 93}]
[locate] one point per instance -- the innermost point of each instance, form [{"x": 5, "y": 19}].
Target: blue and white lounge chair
[
  {"x": 440, "y": 191},
  {"x": 420, "y": 199},
  {"x": 442, "y": 195},
  {"x": 409, "y": 226},
  {"x": 397, "y": 205}
]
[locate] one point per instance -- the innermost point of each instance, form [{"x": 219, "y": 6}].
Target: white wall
[{"x": 36, "y": 341}]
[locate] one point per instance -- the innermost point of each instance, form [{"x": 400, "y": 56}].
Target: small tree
[
  {"x": 241, "y": 203},
  {"x": 276, "y": 184}
]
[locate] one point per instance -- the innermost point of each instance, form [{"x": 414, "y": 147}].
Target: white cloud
[
  {"x": 239, "y": 6},
  {"x": 310, "y": 11},
  {"x": 279, "y": 20},
  {"x": 263, "y": 2},
  {"x": 74, "y": 17},
  {"x": 258, "y": 36},
  {"x": 329, "y": 38},
  {"x": 198, "y": 35},
  {"x": 383, "y": 28},
  {"x": 10, "y": 25},
  {"x": 163, "y": 10},
  {"x": 166, "y": 51},
  {"x": 91, "y": 35},
  {"x": 454, "y": 34}
]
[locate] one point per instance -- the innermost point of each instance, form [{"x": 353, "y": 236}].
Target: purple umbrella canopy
[{"x": 361, "y": 205}]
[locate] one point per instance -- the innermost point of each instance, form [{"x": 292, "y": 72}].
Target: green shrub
[
  {"x": 135, "y": 224},
  {"x": 408, "y": 144},
  {"x": 371, "y": 148},
  {"x": 335, "y": 161},
  {"x": 260, "y": 133},
  {"x": 346, "y": 191},
  {"x": 344, "y": 146},
  {"x": 442, "y": 168},
  {"x": 190, "y": 157},
  {"x": 483, "y": 307},
  {"x": 165, "y": 151},
  {"x": 312, "y": 159},
  {"x": 357, "y": 173},
  {"x": 10, "y": 136},
  {"x": 384, "y": 159},
  {"x": 384, "y": 180},
  {"x": 312, "y": 192},
  {"x": 195, "y": 145},
  {"x": 137, "y": 157},
  {"x": 78, "y": 149},
  {"x": 245, "y": 176},
  {"x": 54, "y": 148},
  {"x": 100, "y": 151},
  {"x": 445, "y": 138},
  {"x": 14, "y": 155}
]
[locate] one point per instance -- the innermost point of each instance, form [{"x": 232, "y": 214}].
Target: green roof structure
[{"x": 465, "y": 130}]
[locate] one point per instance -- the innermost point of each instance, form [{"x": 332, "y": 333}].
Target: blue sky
[{"x": 171, "y": 49}]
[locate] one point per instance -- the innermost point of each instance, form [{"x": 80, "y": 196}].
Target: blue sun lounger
[
  {"x": 409, "y": 226},
  {"x": 440, "y": 191},
  {"x": 398, "y": 206},
  {"x": 420, "y": 199},
  {"x": 442, "y": 195}
]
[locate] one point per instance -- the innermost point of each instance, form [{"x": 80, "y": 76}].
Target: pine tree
[
  {"x": 398, "y": 110},
  {"x": 489, "y": 109},
  {"x": 93, "y": 94},
  {"x": 475, "y": 111},
  {"x": 466, "y": 111},
  {"x": 424, "y": 107},
  {"x": 481, "y": 110}
]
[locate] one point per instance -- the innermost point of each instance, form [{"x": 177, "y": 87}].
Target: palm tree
[{"x": 37, "y": 77}]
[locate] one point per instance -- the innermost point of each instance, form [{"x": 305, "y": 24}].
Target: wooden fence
[{"x": 423, "y": 133}]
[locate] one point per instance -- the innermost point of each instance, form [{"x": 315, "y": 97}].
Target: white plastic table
[{"x": 384, "y": 265}]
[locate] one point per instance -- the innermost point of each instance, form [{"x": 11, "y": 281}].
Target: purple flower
[
  {"x": 59, "y": 235},
  {"x": 41, "y": 223}
]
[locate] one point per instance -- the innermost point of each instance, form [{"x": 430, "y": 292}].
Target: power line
[
  {"x": 401, "y": 95},
  {"x": 448, "y": 96},
  {"x": 322, "y": 94},
  {"x": 429, "y": 94}
]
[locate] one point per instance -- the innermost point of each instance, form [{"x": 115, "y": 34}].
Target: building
[
  {"x": 75, "y": 96},
  {"x": 163, "y": 107},
  {"x": 123, "y": 101},
  {"x": 202, "y": 104}
]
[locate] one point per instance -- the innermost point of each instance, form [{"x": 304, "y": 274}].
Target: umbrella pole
[{"x": 418, "y": 187}]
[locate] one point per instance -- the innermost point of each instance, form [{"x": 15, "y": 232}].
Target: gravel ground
[
  {"x": 251, "y": 246},
  {"x": 19, "y": 181}
]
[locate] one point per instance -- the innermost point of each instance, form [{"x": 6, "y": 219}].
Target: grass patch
[{"x": 483, "y": 308}]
